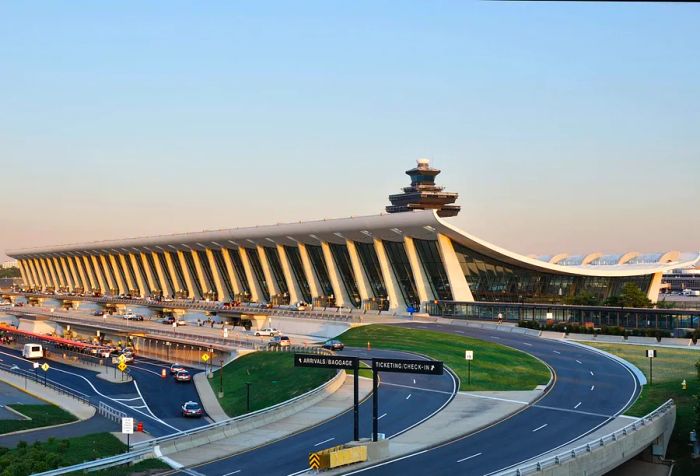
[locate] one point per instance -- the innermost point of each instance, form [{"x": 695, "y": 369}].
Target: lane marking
[
  {"x": 539, "y": 427},
  {"x": 592, "y": 387},
  {"x": 409, "y": 396},
  {"x": 591, "y": 372},
  {"x": 459, "y": 332},
  {"x": 556, "y": 352},
  {"x": 414, "y": 381},
  {"x": 381, "y": 417},
  {"x": 495, "y": 337},
  {"x": 578, "y": 361},
  {"x": 324, "y": 441},
  {"x": 580, "y": 412},
  {"x": 232, "y": 472},
  {"x": 492, "y": 398},
  {"x": 417, "y": 388},
  {"x": 144, "y": 370},
  {"x": 527, "y": 344},
  {"x": 469, "y": 457},
  {"x": 577, "y": 405}
]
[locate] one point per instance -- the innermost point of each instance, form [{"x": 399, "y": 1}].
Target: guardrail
[
  {"x": 110, "y": 413},
  {"x": 101, "y": 463},
  {"x": 35, "y": 377},
  {"x": 539, "y": 465}
]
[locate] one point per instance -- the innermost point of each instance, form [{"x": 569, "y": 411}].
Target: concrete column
[
  {"x": 82, "y": 273},
  {"x": 100, "y": 278},
  {"x": 267, "y": 271},
  {"x": 425, "y": 292},
  {"x": 396, "y": 300},
  {"x": 150, "y": 275},
  {"x": 160, "y": 272},
  {"x": 77, "y": 280},
  {"x": 292, "y": 285},
  {"x": 179, "y": 286},
  {"x": 201, "y": 276},
  {"x": 121, "y": 285},
  {"x": 70, "y": 280},
  {"x": 56, "y": 272},
  {"x": 654, "y": 287},
  {"x": 360, "y": 277},
  {"x": 221, "y": 289},
  {"x": 38, "y": 279},
  {"x": 127, "y": 273},
  {"x": 231, "y": 272},
  {"x": 53, "y": 275},
  {"x": 29, "y": 263},
  {"x": 140, "y": 280},
  {"x": 26, "y": 280},
  {"x": 341, "y": 295},
  {"x": 255, "y": 291},
  {"x": 108, "y": 274},
  {"x": 189, "y": 279},
  {"x": 455, "y": 275},
  {"x": 47, "y": 276},
  {"x": 40, "y": 273},
  {"x": 314, "y": 285},
  {"x": 90, "y": 274}
]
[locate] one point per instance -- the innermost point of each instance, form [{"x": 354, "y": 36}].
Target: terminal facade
[{"x": 407, "y": 258}]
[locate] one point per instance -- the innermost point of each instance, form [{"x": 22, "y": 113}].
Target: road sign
[
  {"x": 469, "y": 354},
  {"x": 35, "y": 365},
  {"x": 314, "y": 461},
  {"x": 121, "y": 359},
  {"x": 45, "y": 367},
  {"x": 205, "y": 357},
  {"x": 325, "y": 361},
  {"x": 651, "y": 353},
  {"x": 430, "y": 367},
  {"x": 127, "y": 425},
  {"x": 121, "y": 366}
]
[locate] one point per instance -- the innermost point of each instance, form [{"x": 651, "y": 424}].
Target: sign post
[
  {"x": 337, "y": 362},
  {"x": 128, "y": 429},
  {"x": 651, "y": 353},
  {"x": 426, "y": 367},
  {"x": 469, "y": 356}
]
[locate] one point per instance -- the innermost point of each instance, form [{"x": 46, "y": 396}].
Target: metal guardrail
[
  {"x": 110, "y": 413},
  {"x": 539, "y": 465},
  {"x": 36, "y": 377},
  {"x": 101, "y": 463}
]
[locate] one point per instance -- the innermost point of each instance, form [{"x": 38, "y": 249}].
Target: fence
[
  {"x": 110, "y": 413},
  {"x": 539, "y": 465},
  {"x": 42, "y": 380}
]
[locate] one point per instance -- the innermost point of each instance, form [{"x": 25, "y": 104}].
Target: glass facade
[
  {"x": 319, "y": 264},
  {"x": 492, "y": 280},
  {"x": 402, "y": 270},
  {"x": 370, "y": 264},
  {"x": 341, "y": 255},
  {"x": 273, "y": 259},
  {"x": 192, "y": 271},
  {"x": 254, "y": 259},
  {"x": 294, "y": 258},
  {"x": 435, "y": 271},
  {"x": 221, "y": 268},
  {"x": 240, "y": 270},
  {"x": 166, "y": 272}
]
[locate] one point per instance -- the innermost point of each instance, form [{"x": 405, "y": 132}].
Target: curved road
[{"x": 590, "y": 390}]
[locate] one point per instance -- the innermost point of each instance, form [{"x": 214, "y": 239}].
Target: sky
[{"x": 564, "y": 127}]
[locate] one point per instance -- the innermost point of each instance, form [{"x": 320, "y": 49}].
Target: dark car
[
  {"x": 168, "y": 320},
  {"x": 192, "y": 409},
  {"x": 333, "y": 344},
  {"x": 98, "y": 313}
]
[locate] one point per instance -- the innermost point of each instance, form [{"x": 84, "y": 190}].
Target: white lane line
[
  {"x": 324, "y": 441},
  {"x": 409, "y": 396},
  {"x": 527, "y": 343},
  {"x": 417, "y": 388},
  {"x": 556, "y": 352},
  {"x": 578, "y": 361},
  {"x": 491, "y": 398},
  {"x": 127, "y": 399},
  {"x": 539, "y": 427},
  {"x": 459, "y": 332},
  {"x": 592, "y": 387},
  {"x": 145, "y": 370},
  {"x": 495, "y": 337},
  {"x": 232, "y": 472},
  {"x": 591, "y": 372},
  {"x": 468, "y": 457},
  {"x": 381, "y": 417},
  {"x": 414, "y": 381},
  {"x": 142, "y": 406},
  {"x": 577, "y": 405}
]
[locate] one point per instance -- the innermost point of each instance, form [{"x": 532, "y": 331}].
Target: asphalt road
[
  {"x": 404, "y": 401},
  {"x": 590, "y": 389},
  {"x": 149, "y": 398}
]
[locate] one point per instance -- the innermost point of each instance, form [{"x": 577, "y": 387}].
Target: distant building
[
  {"x": 9, "y": 264},
  {"x": 409, "y": 258},
  {"x": 679, "y": 279}
]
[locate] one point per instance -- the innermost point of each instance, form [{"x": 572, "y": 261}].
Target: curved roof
[{"x": 422, "y": 224}]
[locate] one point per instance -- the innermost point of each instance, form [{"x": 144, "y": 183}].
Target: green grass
[
  {"x": 365, "y": 371},
  {"x": 38, "y": 457},
  {"x": 41, "y": 415},
  {"x": 671, "y": 366},
  {"x": 147, "y": 466},
  {"x": 495, "y": 367},
  {"x": 273, "y": 379}
]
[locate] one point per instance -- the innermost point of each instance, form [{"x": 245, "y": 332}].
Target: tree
[
  {"x": 584, "y": 299},
  {"x": 10, "y": 272},
  {"x": 631, "y": 295}
]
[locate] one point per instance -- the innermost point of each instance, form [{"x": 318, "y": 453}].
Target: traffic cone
[{"x": 162, "y": 373}]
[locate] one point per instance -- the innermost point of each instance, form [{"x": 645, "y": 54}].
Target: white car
[{"x": 267, "y": 331}]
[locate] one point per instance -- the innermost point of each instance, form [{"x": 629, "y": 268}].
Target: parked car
[
  {"x": 333, "y": 344},
  {"x": 267, "y": 331},
  {"x": 192, "y": 409},
  {"x": 130, "y": 316},
  {"x": 279, "y": 341},
  {"x": 98, "y": 313},
  {"x": 168, "y": 320},
  {"x": 175, "y": 368},
  {"x": 183, "y": 376}
]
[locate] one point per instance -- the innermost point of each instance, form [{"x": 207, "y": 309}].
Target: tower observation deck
[{"x": 423, "y": 194}]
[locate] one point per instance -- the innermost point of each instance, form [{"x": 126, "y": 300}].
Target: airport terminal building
[{"x": 409, "y": 257}]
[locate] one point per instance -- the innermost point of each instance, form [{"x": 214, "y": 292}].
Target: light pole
[{"x": 167, "y": 346}]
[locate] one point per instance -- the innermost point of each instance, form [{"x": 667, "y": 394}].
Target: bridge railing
[{"x": 538, "y": 465}]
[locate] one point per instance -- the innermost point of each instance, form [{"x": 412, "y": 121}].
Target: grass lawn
[
  {"x": 41, "y": 415},
  {"x": 671, "y": 366},
  {"x": 273, "y": 380},
  {"x": 147, "y": 466},
  {"x": 495, "y": 367},
  {"x": 39, "y": 457}
]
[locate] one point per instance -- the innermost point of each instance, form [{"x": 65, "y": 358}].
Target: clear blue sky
[{"x": 564, "y": 127}]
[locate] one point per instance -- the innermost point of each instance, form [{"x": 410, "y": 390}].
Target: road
[
  {"x": 590, "y": 389},
  {"x": 148, "y": 398},
  {"x": 404, "y": 401}
]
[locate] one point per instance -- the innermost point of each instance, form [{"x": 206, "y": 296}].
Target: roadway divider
[
  {"x": 337, "y": 456},
  {"x": 607, "y": 452}
]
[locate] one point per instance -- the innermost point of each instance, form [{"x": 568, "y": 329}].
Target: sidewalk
[
  {"x": 209, "y": 400},
  {"x": 333, "y": 405}
]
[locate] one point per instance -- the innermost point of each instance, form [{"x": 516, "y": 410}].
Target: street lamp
[{"x": 167, "y": 346}]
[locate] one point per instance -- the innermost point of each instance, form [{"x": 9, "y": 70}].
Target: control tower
[{"x": 423, "y": 194}]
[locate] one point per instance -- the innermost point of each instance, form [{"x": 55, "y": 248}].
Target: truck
[
  {"x": 691, "y": 292},
  {"x": 33, "y": 351}
]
